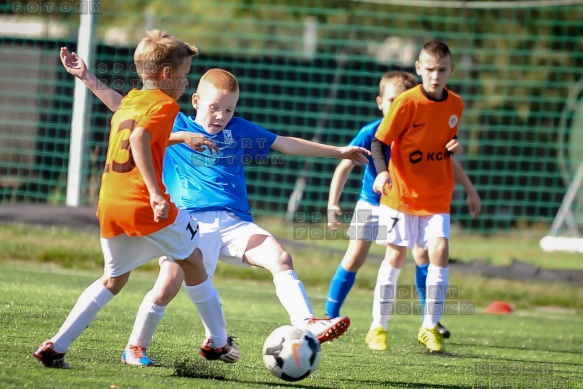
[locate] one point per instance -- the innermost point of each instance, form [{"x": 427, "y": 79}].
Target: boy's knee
[
  {"x": 420, "y": 256},
  {"x": 396, "y": 256},
  {"x": 163, "y": 296},
  {"x": 115, "y": 284},
  {"x": 283, "y": 262},
  {"x": 439, "y": 252},
  {"x": 440, "y": 247}
]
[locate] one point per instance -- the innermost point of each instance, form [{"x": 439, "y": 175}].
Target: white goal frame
[{"x": 571, "y": 239}]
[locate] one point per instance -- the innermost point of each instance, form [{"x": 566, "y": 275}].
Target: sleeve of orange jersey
[
  {"x": 395, "y": 123},
  {"x": 158, "y": 119}
]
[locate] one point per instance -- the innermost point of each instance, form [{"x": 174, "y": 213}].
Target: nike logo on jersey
[{"x": 415, "y": 125}]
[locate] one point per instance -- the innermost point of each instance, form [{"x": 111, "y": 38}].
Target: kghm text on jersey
[{"x": 418, "y": 156}]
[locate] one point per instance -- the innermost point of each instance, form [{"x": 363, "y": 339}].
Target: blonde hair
[
  {"x": 159, "y": 49},
  {"x": 220, "y": 79},
  {"x": 401, "y": 79}
]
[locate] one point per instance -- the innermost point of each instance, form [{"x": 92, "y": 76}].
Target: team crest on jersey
[
  {"x": 453, "y": 121},
  {"x": 228, "y": 137}
]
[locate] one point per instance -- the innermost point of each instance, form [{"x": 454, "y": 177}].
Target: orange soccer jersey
[
  {"x": 124, "y": 201},
  {"x": 417, "y": 128}
]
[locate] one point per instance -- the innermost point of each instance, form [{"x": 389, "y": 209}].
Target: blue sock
[
  {"x": 339, "y": 287},
  {"x": 420, "y": 284}
]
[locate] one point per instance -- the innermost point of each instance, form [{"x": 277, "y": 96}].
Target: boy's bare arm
[
  {"x": 474, "y": 202},
  {"x": 306, "y": 148},
  {"x": 196, "y": 142},
  {"x": 76, "y": 66},
  {"x": 142, "y": 154},
  {"x": 336, "y": 187}
]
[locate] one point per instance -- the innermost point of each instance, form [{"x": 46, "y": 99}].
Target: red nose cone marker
[{"x": 499, "y": 307}]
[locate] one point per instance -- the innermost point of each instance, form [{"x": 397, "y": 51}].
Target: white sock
[
  {"x": 206, "y": 299},
  {"x": 147, "y": 320},
  {"x": 384, "y": 295},
  {"x": 83, "y": 313},
  {"x": 436, "y": 288},
  {"x": 293, "y": 297}
]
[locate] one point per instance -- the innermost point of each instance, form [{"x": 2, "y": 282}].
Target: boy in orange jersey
[
  {"x": 416, "y": 190},
  {"x": 364, "y": 225},
  {"x": 138, "y": 222}
]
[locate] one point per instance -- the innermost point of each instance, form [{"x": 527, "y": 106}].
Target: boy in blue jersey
[
  {"x": 213, "y": 189},
  {"x": 364, "y": 225}
]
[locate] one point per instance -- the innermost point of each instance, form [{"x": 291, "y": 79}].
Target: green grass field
[
  {"x": 526, "y": 349},
  {"x": 499, "y": 249},
  {"x": 314, "y": 264}
]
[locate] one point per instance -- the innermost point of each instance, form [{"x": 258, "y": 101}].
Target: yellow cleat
[
  {"x": 376, "y": 339},
  {"x": 431, "y": 339}
]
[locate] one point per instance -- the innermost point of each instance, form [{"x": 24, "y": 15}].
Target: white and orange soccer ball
[{"x": 291, "y": 353}]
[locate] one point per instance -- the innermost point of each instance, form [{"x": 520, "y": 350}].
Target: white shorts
[
  {"x": 224, "y": 236},
  {"x": 365, "y": 222},
  {"x": 402, "y": 229},
  {"x": 125, "y": 253}
]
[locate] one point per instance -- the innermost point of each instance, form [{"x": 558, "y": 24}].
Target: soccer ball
[{"x": 291, "y": 353}]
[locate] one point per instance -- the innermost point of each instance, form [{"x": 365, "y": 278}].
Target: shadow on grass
[{"x": 196, "y": 368}]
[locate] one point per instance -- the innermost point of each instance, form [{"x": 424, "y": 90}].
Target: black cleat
[
  {"x": 443, "y": 331},
  {"x": 48, "y": 357},
  {"x": 229, "y": 353}
]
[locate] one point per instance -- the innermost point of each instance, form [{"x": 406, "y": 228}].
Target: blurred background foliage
[{"x": 518, "y": 70}]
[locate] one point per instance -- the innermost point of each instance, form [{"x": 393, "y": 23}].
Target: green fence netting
[{"x": 311, "y": 68}]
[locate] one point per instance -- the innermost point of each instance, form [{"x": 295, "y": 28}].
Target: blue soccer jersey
[
  {"x": 364, "y": 139},
  {"x": 204, "y": 182}
]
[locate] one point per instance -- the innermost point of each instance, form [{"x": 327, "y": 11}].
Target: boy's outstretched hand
[
  {"x": 73, "y": 63},
  {"x": 200, "y": 143},
  {"x": 356, "y": 154}
]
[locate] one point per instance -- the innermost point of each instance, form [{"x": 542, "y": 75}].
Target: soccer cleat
[
  {"x": 431, "y": 339},
  {"x": 229, "y": 353},
  {"x": 327, "y": 329},
  {"x": 443, "y": 331},
  {"x": 48, "y": 357},
  {"x": 376, "y": 339},
  {"x": 135, "y": 356}
]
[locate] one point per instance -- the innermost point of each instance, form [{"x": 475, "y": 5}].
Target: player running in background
[
  {"x": 137, "y": 219},
  {"x": 364, "y": 225},
  {"x": 416, "y": 190},
  {"x": 213, "y": 189}
]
